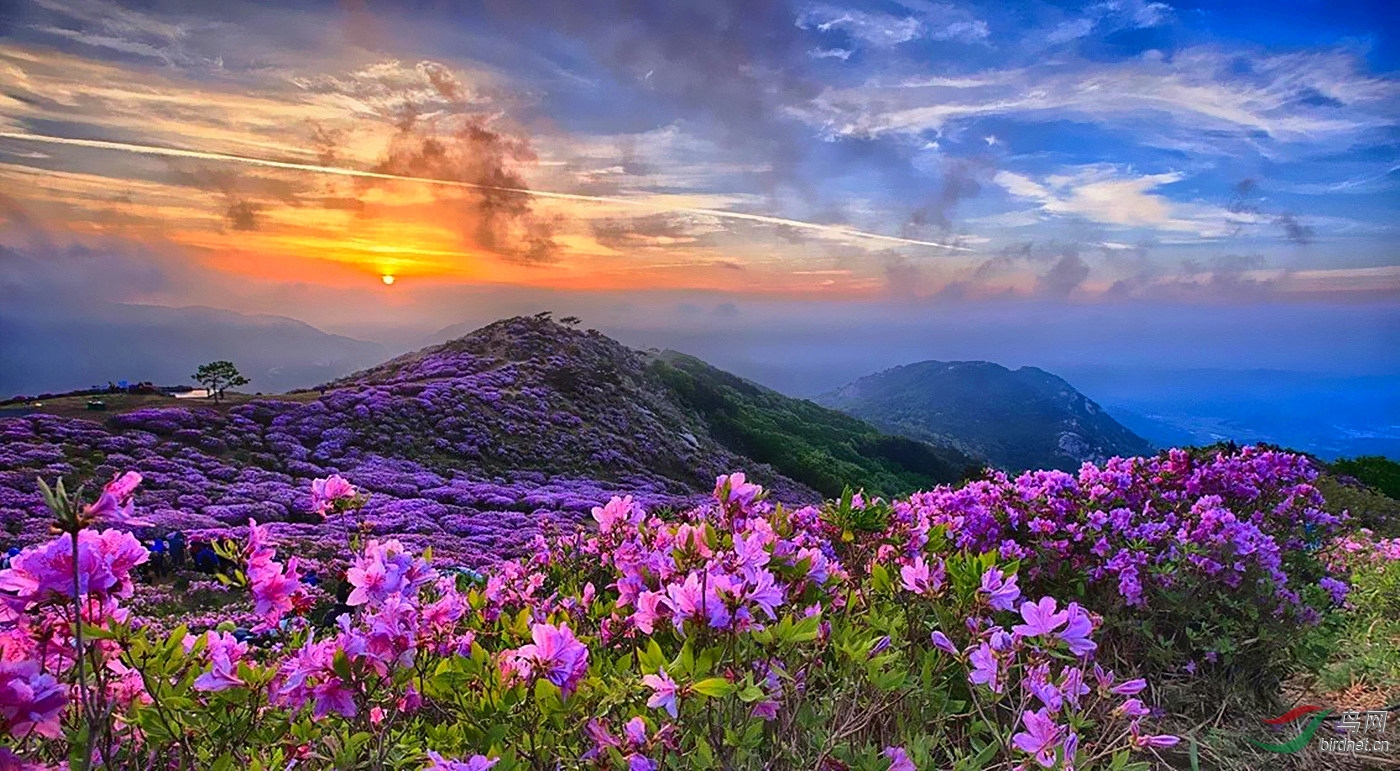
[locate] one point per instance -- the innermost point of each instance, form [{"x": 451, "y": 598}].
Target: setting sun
[{"x": 387, "y": 279}]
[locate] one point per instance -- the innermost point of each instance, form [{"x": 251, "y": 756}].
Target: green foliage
[
  {"x": 219, "y": 376},
  {"x": 1377, "y": 471},
  {"x": 819, "y": 447}
]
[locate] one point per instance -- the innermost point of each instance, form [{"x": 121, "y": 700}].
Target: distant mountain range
[
  {"x": 1015, "y": 419},
  {"x": 48, "y": 351}
]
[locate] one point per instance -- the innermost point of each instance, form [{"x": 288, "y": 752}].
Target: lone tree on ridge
[{"x": 219, "y": 376}]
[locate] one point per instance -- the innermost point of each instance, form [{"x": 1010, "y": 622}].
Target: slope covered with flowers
[
  {"x": 959, "y": 628},
  {"x": 474, "y": 446}
]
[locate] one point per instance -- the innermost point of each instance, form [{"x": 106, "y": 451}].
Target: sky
[{"x": 778, "y": 184}]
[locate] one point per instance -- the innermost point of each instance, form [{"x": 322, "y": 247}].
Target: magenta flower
[
  {"x": 663, "y": 692},
  {"x": 31, "y": 702},
  {"x": 919, "y": 579},
  {"x": 740, "y": 492},
  {"x": 115, "y": 504},
  {"x": 1041, "y": 618},
  {"x": 557, "y": 655},
  {"x": 1002, "y": 592},
  {"x": 617, "y": 510},
  {"x": 766, "y": 594},
  {"x": 1039, "y": 739},
  {"x": 1160, "y": 741},
  {"x": 899, "y": 759},
  {"x": 1077, "y": 630},
  {"x": 385, "y": 569},
  {"x": 224, "y": 651},
  {"x": 648, "y": 611},
  {"x": 437, "y": 762},
  {"x": 325, "y": 493},
  {"x": 1129, "y": 687},
  {"x": 635, "y": 730},
  {"x": 44, "y": 573}
]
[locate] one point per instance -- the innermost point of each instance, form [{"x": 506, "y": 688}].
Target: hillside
[
  {"x": 814, "y": 445},
  {"x": 1015, "y": 419},
  {"x": 474, "y": 445}
]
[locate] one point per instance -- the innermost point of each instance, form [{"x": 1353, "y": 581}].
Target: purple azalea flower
[
  {"x": 1039, "y": 739},
  {"x": 899, "y": 759},
  {"x": 986, "y": 669},
  {"x": 557, "y": 654},
  {"x": 1077, "y": 630},
  {"x": 942, "y": 642},
  {"x": 663, "y": 692},
  {"x": 1041, "y": 618},
  {"x": 1002, "y": 591}
]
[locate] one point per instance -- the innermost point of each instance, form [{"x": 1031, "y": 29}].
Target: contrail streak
[{"x": 344, "y": 172}]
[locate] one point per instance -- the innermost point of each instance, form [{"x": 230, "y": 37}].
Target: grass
[{"x": 76, "y": 406}]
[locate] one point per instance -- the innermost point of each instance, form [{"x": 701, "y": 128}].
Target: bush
[
  {"x": 1200, "y": 564},
  {"x": 741, "y": 636}
]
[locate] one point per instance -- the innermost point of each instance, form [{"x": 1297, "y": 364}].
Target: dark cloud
[
  {"x": 1064, "y": 276},
  {"x": 667, "y": 231},
  {"x": 958, "y": 182},
  {"x": 243, "y": 215},
  {"x": 496, "y": 217},
  {"x": 1294, "y": 230}
]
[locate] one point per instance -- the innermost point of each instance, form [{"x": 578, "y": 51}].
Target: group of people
[{"x": 171, "y": 552}]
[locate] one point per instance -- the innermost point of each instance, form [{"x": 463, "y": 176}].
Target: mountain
[
  {"x": 474, "y": 445},
  {"x": 47, "y": 351},
  {"x": 1015, "y": 419},
  {"x": 812, "y": 444}
]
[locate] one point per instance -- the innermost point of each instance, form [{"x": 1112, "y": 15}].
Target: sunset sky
[{"x": 740, "y": 161}]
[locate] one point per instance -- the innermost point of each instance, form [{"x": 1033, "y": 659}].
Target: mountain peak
[{"x": 1015, "y": 419}]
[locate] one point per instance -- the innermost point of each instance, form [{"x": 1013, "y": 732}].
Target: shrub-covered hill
[
  {"x": 1016, "y": 419},
  {"x": 814, "y": 445},
  {"x": 475, "y": 445}
]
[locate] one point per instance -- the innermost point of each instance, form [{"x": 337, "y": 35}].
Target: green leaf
[
  {"x": 714, "y": 687},
  {"x": 652, "y": 658},
  {"x": 880, "y": 578}
]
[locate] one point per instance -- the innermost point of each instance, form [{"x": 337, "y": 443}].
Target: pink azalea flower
[
  {"x": 986, "y": 669},
  {"x": 917, "y": 577},
  {"x": 115, "y": 502},
  {"x": 224, "y": 651},
  {"x": 44, "y": 573},
  {"x": 1077, "y": 630},
  {"x": 385, "y": 569},
  {"x": 741, "y": 492},
  {"x": 31, "y": 702},
  {"x": 766, "y": 594},
  {"x": 617, "y": 510},
  {"x": 557, "y": 655},
  {"x": 325, "y": 493},
  {"x": 663, "y": 692},
  {"x": 635, "y": 731},
  {"x": 648, "y": 611}
]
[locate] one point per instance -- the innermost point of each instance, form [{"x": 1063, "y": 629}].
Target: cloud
[
  {"x": 1198, "y": 95},
  {"x": 881, "y": 30},
  {"x": 1107, "y": 195},
  {"x": 1063, "y": 277}
]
